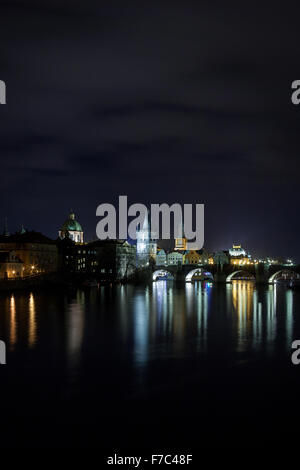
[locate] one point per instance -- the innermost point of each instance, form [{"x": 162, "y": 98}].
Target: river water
[{"x": 197, "y": 365}]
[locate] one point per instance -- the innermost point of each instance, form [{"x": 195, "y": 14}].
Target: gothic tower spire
[{"x": 6, "y": 232}]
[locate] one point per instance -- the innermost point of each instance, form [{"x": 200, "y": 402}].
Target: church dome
[{"x": 71, "y": 225}]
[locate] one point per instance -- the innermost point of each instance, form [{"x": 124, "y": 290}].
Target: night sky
[{"x": 160, "y": 101}]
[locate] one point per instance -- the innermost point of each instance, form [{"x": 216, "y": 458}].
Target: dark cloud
[{"x": 162, "y": 102}]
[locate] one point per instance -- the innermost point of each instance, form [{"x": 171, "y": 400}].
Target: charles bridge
[{"x": 260, "y": 273}]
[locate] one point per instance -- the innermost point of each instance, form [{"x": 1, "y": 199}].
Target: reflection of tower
[
  {"x": 143, "y": 243},
  {"x": 75, "y": 330}
]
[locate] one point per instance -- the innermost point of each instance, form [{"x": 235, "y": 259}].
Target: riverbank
[{"x": 70, "y": 280}]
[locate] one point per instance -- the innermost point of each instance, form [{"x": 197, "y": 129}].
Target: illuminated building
[
  {"x": 125, "y": 260},
  {"x": 192, "y": 257},
  {"x": 181, "y": 243},
  {"x": 236, "y": 251},
  {"x": 174, "y": 258},
  {"x": 37, "y": 252},
  {"x": 10, "y": 265},
  {"x": 289, "y": 262},
  {"x": 107, "y": 260},
  {"x": 72, "y": 229},
  {"x": 161, "y": 257},
  {"x": 204, "y": 256},
  {"x": 238, "y": 256},
  {"x": 153, "y": 249},
  {"x": 143, "y": 244}
]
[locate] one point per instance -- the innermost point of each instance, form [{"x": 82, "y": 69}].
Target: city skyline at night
[
  {"x": 165, "y": 108},
  {"x": 168, "y": 245},
  {"x": 149, "y": 228}
]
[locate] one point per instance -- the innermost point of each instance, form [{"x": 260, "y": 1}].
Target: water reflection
[
  {"x": 181, "y": 313},
  {"x": 258, "y": 319},
  {"x": 243, "y": 300},
  {"x": 271, "y": 314},
  {"x": 75, "y": 328},
  {"x": 12, "y": 324},
  {"x": 32, "y": 322},
  {"x": 156, "y": 322},
  {"x": 289, "y": 318},
  {"x": 141, "y": 328}
]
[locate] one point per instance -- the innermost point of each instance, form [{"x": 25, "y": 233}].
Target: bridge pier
[{"x": 220, "y": 277}]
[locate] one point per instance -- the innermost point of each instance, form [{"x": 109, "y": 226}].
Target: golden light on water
[
  {"x": 242, "y": 299},
  {"x": 12, "y": 323},
  {"x": 32, "y": 322}
]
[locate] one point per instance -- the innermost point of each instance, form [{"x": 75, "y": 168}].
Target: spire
[{"x": 6, "y": 232}]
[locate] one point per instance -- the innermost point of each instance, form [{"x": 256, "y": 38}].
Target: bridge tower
[
  {"x": 143, "y": 244},
  {"x": 180, "y": 243}
]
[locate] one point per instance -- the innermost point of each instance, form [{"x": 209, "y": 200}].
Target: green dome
[{"x": 71, "y": 225}]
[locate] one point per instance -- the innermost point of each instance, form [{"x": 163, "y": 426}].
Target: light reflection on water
[
  {"x": 160, "y": 321},
  {"x": 12, "y": 324},
  {"x": 32, "y": 322},
  {"x": 196, "y": 352},
  {"x": 289, "y": 318},
  {"x": 75, "y": 329}
]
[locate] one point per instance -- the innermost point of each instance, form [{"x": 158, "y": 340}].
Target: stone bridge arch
[
  {"x": 242, "y": 275},
  {"x": 162, "y": 273},
  {"x": 284, "y": 275},
  {"x": 203, "y": 274}
]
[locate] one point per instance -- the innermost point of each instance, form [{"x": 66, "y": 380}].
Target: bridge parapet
[{"x": 260, "y": 272}]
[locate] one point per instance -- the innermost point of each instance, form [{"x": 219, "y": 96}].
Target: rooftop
[
  {"x": 71, "y": 224},
  {"x": 26, "y": 237}
]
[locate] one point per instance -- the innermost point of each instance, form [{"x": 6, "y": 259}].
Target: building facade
[
  {"x": 175, "y": 258},
  {"x": 180, "y": 244},
  {"x": 192, "y": 257},
  {"x": 143, "y": 244},
  {"x": 153, "y": 249},
  {"x": 204, "y": 256},
  {"x": 161, "y": 257},
  {"x": 221, "y": 257},
  {"x": 113, "y": 260},
  {"x": 238, "y": 256},
  {"x": 71, "y": 255},
  {"x": 11, "y": 267},
  {"x": 37, "y": 252}
]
